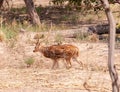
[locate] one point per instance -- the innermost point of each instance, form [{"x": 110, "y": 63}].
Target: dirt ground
[{"x": 92, "y": 77}]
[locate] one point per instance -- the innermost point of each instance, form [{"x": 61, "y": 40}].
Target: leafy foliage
[
  {"x": 86, "y": 4},
  {"x": 79, "y": 4}
]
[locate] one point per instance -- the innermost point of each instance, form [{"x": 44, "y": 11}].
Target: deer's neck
[{"x": 43, "y": 49}]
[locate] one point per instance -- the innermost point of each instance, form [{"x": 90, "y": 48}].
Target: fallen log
[{"x": 101, "y": 29}]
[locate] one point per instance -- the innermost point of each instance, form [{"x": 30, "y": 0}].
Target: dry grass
[
  {"x": 2, "y": 36},
  {"x": 94, "y": 76}
]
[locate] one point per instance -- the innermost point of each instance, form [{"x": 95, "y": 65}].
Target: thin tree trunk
[
  {"x": 1, "y": 3},
  {"x": 111, "y": 66},
  {"x": 32, "y": 12}
]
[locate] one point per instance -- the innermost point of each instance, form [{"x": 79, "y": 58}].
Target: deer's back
[{"x": 60, "y": 51}]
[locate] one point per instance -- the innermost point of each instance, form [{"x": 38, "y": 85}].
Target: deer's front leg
[
  {"x": 69, "y": 65},
  {"x": 55, "y": 62}
]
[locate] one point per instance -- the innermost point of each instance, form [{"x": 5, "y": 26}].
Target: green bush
[
  {"x": 29, "y": 61},
  {"x": 10, "y": 31}
]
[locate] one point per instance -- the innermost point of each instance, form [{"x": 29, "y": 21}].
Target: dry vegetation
[
  {"x": 15, "y": 75},
  {"x": 21, "y": 70}
]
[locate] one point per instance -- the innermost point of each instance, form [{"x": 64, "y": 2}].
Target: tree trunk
[
  {"x": 111, "y": 66},
  {"x": 1, "y": 3},
  {"x": 32, "y": 12}
]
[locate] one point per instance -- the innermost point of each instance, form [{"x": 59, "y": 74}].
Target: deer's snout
[{"x": 34, "y": 51}]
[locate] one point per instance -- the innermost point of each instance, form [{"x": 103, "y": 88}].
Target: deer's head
[{"x": 38, "y": 43}]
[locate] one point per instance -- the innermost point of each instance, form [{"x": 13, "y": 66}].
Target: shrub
[
  {"x": 81, "y": 36},
  {"x": 29, "y": 61}
]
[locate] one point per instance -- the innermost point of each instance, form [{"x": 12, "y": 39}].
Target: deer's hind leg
[{"x": 79, "y": 62}]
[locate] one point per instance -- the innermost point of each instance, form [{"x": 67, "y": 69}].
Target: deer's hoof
[{"x": 68, "y": 67}]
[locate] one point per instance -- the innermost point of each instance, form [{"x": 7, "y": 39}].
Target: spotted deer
[{"x": 56, "y": 52}]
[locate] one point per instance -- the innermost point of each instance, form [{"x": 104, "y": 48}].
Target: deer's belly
[{"x": 57, "y": 55}]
